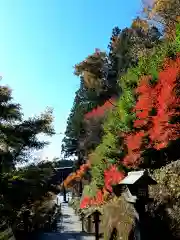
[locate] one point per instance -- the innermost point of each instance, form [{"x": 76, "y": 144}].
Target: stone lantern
[{"x": 136, "y": 186}]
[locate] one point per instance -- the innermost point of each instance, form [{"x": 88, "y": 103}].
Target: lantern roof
[{"x": 134, "y": 176}]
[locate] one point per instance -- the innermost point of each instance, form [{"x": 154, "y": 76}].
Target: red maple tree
[
  {"x": 163, "y": 98},
  {"x": 144, "y": 103},
  {"x": 167, "y": 105},
  {"x": 112, "y": 176}
]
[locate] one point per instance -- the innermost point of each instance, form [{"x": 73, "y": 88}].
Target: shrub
[
  {"x": 119, "y": 215},
  {"x": 166, "y": 194}
]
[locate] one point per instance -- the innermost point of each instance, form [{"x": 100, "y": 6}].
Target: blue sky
[{"x": 41, "y": 41}]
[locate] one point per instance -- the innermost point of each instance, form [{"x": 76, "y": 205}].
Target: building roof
[{"x": 62, "y": 168}]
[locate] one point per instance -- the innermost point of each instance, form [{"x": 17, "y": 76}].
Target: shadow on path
[
  {"x": 63, "y": 236},
  {"x": 66, "y": 216}
]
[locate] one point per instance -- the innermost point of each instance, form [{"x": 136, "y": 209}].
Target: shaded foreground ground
[{"x": 68, "y": 228}]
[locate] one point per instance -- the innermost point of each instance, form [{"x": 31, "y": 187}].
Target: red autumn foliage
[
  {"x": 99, "y": 197},
  {"x": 132, "y": 159},
  {"x": 163, "y": 98},
  {"x": 112, "y": 176},
  {"x": 100, "y": 111},
  {"x": 97, "y": 200},
  {"x": 85, "y": 202},
  {"x": 76, "y": 175},
  {"x": 167, "y": 106},
  {"x": 144, "y": 103},
  {"x": 133, "y": 143}
]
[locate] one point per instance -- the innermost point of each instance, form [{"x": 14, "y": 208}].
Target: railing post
[
  {"x": 89, "y": 224},
  {"x": 82, "y": 220},
  {"x": 96, "y": 223}
]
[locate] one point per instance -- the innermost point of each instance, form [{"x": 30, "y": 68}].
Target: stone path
[{"x": 68, "y": 229}]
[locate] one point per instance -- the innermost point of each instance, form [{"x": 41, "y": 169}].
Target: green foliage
[
  {"x": 30, "y": 183},
  {"x": 24, "y": 187},
  {"x": 147, "y": 65},
  {"x": 97, "y": 172},
  {"x": 120, "y": 119},
  {"x": 108, "y": 144},
  {"x": 90, "y": 190},
  {"x": 102, "y": 156},
  {"x": 18, "y": 140},
  {"x": 75, "y": 204},
  {"x": 177, "y": 40},
  {"x": 17, "y": 137},
  {"x": 9, "y": 111}
]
